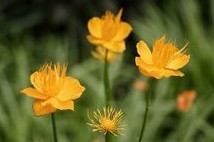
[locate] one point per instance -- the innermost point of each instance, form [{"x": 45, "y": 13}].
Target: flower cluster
[{"x": 53, "y": 90}]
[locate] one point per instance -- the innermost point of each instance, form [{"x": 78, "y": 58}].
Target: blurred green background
[{"x": 34, "y": 32}]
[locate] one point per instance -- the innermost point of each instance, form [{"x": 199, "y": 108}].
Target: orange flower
[
  {"x": 164, "y": 61},
  {"x": 109, "y": 31},
  {"x": 140, "y": 85},
  {"x": 53, "y": 89},
  {"x": 185, "y": 100},
  {"x": 99, "y": 53}
]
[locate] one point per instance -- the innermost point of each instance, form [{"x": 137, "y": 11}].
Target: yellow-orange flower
[
  {"x": 164, "y": 61},
  {"x": 109, "y": 31},
  {"x": 108, "y": 120},
  {"x": 140, "y": 85},
  {"x": 53, "y": 89},
  {"x": 100, "y": 52},
  {"x": 185, "y": 100}
]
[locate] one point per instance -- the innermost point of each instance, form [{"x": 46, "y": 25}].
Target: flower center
[{"x": 107, "y": 124}]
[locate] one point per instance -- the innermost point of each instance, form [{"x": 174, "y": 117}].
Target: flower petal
[
  {"x": 31, "y": 92},
  {"x": 117, "y": 47},
  {"x": 158, "y": 43},
  {"x": 99, "y": 53},
  {"x": 157, "y": 48},
  {"x": 94, "y": 40},
  {"x": 154, "y": 71},
  {"x": 71, "y": 90},
  {"x": 178, "y": 62},
  {"x": 144, "y": 52},
  {"x": 123, "y": 31},
  {"x": 40, "y": 109},
  {"x": 146, "y": 71},
  {"x": 119, "y": 15},
  {"x": 35, "y": 80},
  {"x": 94, "y": 27},
  {"x": 158, "y": 74},
  {"x": 62, "y": 105}
]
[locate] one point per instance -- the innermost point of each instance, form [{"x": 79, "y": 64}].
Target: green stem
[
  {"x": 148, "y": 99},
  {"x": 54, "y": 127},
  {"x": 106, "y": 80},
  {"x": 107, "y": 137}
]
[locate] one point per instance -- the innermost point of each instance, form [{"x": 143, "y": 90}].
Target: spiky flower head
[{"x": 107, "y": 120}]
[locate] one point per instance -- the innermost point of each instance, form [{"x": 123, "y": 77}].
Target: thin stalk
[
  {"x": 148, "y": 100},
  {"x": 107, "y": 137},
  {"x": 54, "y": 127},
  {"x": 106, "y": 80}
]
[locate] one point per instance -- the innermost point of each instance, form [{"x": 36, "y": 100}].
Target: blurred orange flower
[
  {"x": 164, "y": 61},
  {"x": 140, "y": 85},
  {"x": 185, "y": 100},
  {"x": 109, "y": 31},
  {"x": 99, "y": 53},
  {"x": 53, "y": 89}
]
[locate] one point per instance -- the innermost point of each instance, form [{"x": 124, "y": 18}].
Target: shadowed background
[{"x": 36, "y": 32}]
